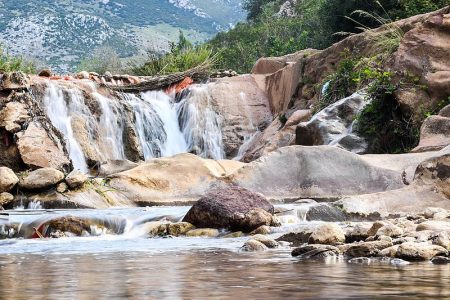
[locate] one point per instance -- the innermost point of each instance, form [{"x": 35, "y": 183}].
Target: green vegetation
[
  {"x": 183, "y": 56},
  {"x": 317, "y": 24},
  {"x": 10, "y": 63}
]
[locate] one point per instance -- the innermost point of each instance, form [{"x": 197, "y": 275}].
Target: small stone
[
  {"x": 328, "y": 234},
  {"x": 62, "y": 188},
  {"x": 8, "y": 179},
  {"x": 440, "y": 260},
  {"x": 367, "y": 249},
  {"x": 315, "y": 252},
  {"x": 389, "y": 252},
  {"x": 261, "y": 230},
  {"x": 181, "y": 228},
  {"x": 6, "y": 198},
  {"x": 442, "y": 239},
  {"x": 268, "y": 242},
  {"x": 296, "y": 238},
  {"x": 358, "y": 233},
  {"x": 203, "y": 232},
  {"x": 76, "y": 179},
  {"x": 253, "y": 245},
  {"x": 45, "y": 73}
]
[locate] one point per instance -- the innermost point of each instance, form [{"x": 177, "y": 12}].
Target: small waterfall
[
  {"x": 112, "y": 125},
  {"x": 164, "y": 107},
  {"x": 248, "y": 138},
  {"x": 58, "y": 113},
  {"x": 200, "y": 124}
]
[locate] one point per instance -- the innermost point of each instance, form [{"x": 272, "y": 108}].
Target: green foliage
[
  {"x": 183, "y": 56},
  {"x": 415, "y": 7},
  {"x": 10, "y": 63},
  {"x": 103, "y": 59},
  {"x": 440, "y": 105},
  {"x": 382, "y": 122}
]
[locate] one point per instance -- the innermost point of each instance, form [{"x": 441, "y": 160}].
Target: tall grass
[{"x": 10, "y": 63}]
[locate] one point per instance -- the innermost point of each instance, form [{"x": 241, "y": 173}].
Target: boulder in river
[
  {"x": 253, "y": 246},
  {"x": 315, "y": 252},
  {"x": 7, "y": 179},
  {"x": 419, "y": 251},
  {"x": 41, "y": 179},
  {"x": 5, "y": 199},
  {"x": 327, "y": 234},
  {"x": 232, "y": 208}
]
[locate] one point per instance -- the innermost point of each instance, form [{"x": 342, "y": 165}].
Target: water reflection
[{"x": 211, "y": 274}]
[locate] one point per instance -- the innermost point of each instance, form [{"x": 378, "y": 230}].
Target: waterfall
[
  {"x": 200, "y": 123},
  {"x": 253, "y": 130},
  {"x": 57, "y": 111},
  {"x": 96, "y": 126}
]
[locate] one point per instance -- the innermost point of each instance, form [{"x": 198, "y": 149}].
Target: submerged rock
[
  {"x": 253, "y": 245},
  {"x": 268, "y": 242},
  {"x": 440, "y": 260},
  {"x": 181, "y": 228},
  {"x": 203, "y": 232},
  {"x": 296, "y": 239},
  {"x": 41, "y": 179},
  {"x": 232, "y": 208},
  {"x": 329, "y": 234},
  {"x": 8, "y": 179},
  {"x": 315, "y": 252}
]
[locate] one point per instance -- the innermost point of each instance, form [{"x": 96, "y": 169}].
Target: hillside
[{"x": 60, "y": 33}]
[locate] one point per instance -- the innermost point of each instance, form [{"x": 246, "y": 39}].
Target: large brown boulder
[
  {"x": 7, "y": 179},
  {"x": 39, "y": 151},
  {"x": 434, "y": 134},
  {"x": 13, "y": 115},
  {"x": 232, "y": 208}
]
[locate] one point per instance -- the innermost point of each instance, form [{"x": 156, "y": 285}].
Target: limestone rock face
[
  {"x": 333, "y": 126},
  {"x": 242, "y": 105},
  {"x": 434, "y": 134},
  {"x": 15, "y": 81},
  {"x": 7, "y": 179},
  {"x": 181, "y": 178},
  {"x": 39, "y": 151},
  {"x": 41, "y": 179},
  {"x": 424, "y": 52},
  {"x": 314, "y": 172},
  {"x": 232, "y": 208},
  {"x": 13, "y": 115},
  {"x": 328, "y": 234}
]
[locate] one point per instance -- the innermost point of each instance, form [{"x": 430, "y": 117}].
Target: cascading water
[
  {"x": 200, "y": 124},
  {"x": 162, "y": 127},
  {"x": 248, "y": 138},
  {"x": 57, "y": 111}
]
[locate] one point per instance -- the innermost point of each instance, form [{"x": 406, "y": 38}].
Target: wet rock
[
  {"x": 367, "y": 249},
  {"x": 326, "y": 213},
  {"x": 268, "y": 242},
  {"x": 233, "y": 235},
  {"x": 261, "y": 230},
  {"x": 329, "y": 234},
  {"x": 442, "y": 239},
  {"x": 62, "y": 188},
  {"x": 419, "y": 251},
  {"x": 440, "y": 260},
  {"x": 296, "y": 239},
  {"x": 390, "y": 230},
  {"x": 5, "y": 199},
  {"x": 15, "y": 81},
  {"x": 13, "y": 115},
  {"x": 315, "y": 252},
  {"x": 156, "y": 228},
  {"x": 203, "y": 232},
  {"x": 39, "y": 151},
  {"x": 332, "y": 126},
  {"x": 233, "y": 208},
  {"x": 360, "y": 261},
  {"x": 69, "y": 224},
  {"x": 41, "y": 179},
  {"x": 181, "y": 228},
  {"x": 76, "y": 179},
  {"x": 389, "y": 252},
  {"x": 8, "y": 179},
  {"x": 253, "y": 246},
  {"x": 45, "y": 73},
  {"x": 358, "y": 233},
  {"x": 434, "y": 226}
]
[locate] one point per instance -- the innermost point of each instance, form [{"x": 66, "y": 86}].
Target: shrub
[
  {"x": 102, "y": 59},
  {"x": 10, "y": 63}
]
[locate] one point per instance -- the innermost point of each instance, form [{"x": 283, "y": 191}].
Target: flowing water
[
  {"x": 97, "y": 125},
  {"x": 128, "y": 264}
]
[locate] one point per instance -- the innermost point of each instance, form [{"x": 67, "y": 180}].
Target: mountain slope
[{"x": 61, "y": 32}]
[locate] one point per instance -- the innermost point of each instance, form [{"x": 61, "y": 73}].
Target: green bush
[
  {"x": 10, "y": 63},
  {"x": 183, "y": 56},
  {"x": 102, "y": 59}
]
